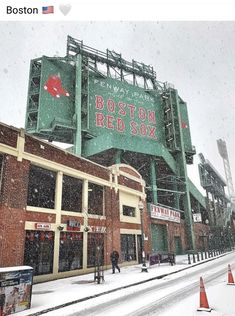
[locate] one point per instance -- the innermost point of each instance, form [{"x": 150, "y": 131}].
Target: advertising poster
[{"x": 15, "y": 291}]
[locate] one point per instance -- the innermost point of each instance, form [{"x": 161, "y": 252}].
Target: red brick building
[{"x": 57, "y": 209}]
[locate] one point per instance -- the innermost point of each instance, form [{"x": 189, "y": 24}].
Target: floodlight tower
[{"x": 224, "y": 154}]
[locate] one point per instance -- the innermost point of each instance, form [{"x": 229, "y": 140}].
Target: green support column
[
  {"x": 199, "y": 207},
  {"x": 214, "y": 210},
  {"x": 78, "y": 101},
  {"x": 153, "y": 179},
  {"x": 118, "y": 156},
  {"x": 176, "y": 196},
  {"x": 181, "y": 161}
]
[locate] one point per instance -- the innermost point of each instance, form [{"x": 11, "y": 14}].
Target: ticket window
[{"x": 39, "y": 251}]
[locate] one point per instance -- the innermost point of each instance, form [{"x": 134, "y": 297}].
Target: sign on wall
[
  {"x": 121, "y": 108},
  {"x": 44, "y": 226},
  {"x": 165, "y": 214},
  {"x": 197, "y": 218},
  {"x": 56, "y": 93},
  {"x": 73, "y": 225}
]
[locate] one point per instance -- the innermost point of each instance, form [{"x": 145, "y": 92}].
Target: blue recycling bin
[{"x": 15, "y": 289}]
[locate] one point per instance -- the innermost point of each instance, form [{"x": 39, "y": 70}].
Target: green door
[
  {"x": 178, "y": 245},
  {"x": 159, "y": 238}
]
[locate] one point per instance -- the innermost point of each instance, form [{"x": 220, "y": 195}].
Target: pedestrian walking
[{"x": 114, "y": 259}]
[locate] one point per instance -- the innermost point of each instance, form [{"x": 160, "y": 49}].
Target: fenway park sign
[{"x": 165, "y": 214}]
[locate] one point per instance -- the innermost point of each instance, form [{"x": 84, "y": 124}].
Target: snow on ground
[
  {"x": 49, "y": 294},
  {"x": 220, "y": 298}
]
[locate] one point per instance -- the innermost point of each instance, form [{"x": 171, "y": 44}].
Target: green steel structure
[
  {"x": 214, "y": 185},
  {"x": 115, "y": 111}
]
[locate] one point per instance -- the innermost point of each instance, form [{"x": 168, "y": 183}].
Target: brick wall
[
  {"x": 8, "y": 135},
  {"x": 47, "y": 151},
  {"x": 12, "y": 211},
  {"x": 129, "y": 182},
  {"x": 201, "y": 233}
]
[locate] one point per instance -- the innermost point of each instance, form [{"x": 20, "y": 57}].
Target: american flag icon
[{"x": 48, "y": 9}]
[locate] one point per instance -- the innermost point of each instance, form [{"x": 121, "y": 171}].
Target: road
[{"x": 176, "y": 294}]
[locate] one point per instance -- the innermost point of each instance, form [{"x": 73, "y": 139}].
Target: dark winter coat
[{"x": 114, "y": 256}]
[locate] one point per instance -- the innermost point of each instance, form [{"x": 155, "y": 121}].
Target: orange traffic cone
[
  {"x": 204, "y": 306},
  {"x": 230, "y": 276}
]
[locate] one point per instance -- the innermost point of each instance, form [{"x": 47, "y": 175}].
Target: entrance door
[
  {"x": 178, "y": 245},
  {"x": 159, "y": 238}
]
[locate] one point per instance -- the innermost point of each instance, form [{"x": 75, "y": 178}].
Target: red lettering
[
  {"x": 99, "y": 102},
  {"x": 120, "y": 125},
  {"x": 143, "y": 129},
  {"x": 122, "y": 106},
  {"x": 132, "y": 110},
  {"x": 142, "y": 114},
  {"x": 99, "y": 119},
  {"x": 152, "y": 131},
  {"x": 133, "y": 126},
  {"x": 111, "y": 105},
  {"x": 109, "y": 122},
  {"x": 151, "y": 117}
]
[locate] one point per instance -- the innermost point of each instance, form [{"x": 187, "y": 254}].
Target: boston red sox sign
[{"x": 120, "y": 108}]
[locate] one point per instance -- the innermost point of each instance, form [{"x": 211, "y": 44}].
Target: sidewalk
[{"x": 56, "y": 294}]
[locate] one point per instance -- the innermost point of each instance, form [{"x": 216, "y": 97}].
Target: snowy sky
[{"x": 197, "y": 57}]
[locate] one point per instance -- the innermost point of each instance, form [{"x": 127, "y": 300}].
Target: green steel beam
[
  {"x": 78, "y": 106},
  {"x": 181, "y": 162},
  {"x": 177, "y": 197},
  {"x": 196, "y": 193},
  {"x": 153, "y": 180},
  {"x": 76, "y": 47},
  {"x": 118, "y": 156},
  {"x": 104, "y": 142}
]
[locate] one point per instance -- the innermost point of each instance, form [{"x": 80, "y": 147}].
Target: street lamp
[{"x": 141, "y": 209}]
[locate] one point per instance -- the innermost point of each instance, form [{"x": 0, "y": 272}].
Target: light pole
[{"x": 141, "y": 209}]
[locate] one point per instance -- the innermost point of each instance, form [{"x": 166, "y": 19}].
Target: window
[
  {"x": 95, "y": 199},
  {"x": 41, "y": 187},
  {"x": 39, "y": 251},
  {"x": 71, "y": 249},
  {"x": 95, "y": 251},
  {"x": 72, "y": 194},
  {"x": 128, "y": 211},
  {"x": 128, "y": 247}
]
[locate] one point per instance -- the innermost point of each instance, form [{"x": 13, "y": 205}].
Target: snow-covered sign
[
  {"x": 197, "y": 217},
  {"x": 163, "y": 213}
]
